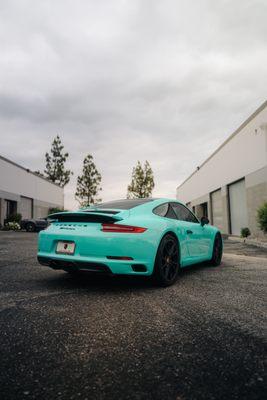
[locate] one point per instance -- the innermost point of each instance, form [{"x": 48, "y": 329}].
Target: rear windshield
[{"x": 123, "y": 204}]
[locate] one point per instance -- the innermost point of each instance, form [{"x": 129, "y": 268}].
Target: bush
[
  {"x": 245, "y": 232},
  {"x": 262, "y": 217},
  {"x": 12, "y": 226},
  {"x": 14, "y": 218}
]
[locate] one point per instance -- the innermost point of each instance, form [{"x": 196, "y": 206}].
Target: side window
[
  {"x": 183, "y": 214},
  {"x": 161, "y": 210},
  {"x": 165, "y": 210},
  {"x": 171, "y": 214}
]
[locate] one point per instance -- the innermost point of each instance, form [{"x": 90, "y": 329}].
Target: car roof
[
  {"x": 122, "y": 204},
  {"x": 128, "y": 204}
]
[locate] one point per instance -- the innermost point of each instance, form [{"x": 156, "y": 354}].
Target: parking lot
[{"x": 96, "y": 337}]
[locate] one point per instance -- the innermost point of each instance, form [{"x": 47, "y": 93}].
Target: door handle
[{"x": 189, "y": 232}]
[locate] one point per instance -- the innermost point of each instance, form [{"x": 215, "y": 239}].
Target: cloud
[{"x": 126, "y": 81}]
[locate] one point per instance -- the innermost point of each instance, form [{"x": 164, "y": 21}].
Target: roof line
[
  {"x": 29, "y": 171},
  {"x": 259, "y": 109}
]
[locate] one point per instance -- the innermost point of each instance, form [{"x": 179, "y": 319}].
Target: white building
[
  {"x": 231, "y": 184},
  {"x": 25, "y": 192}
]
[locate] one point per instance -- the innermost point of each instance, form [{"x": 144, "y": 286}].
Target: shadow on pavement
[{"x": 86, "y": 280}]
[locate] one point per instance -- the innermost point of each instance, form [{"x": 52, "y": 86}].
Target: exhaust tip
[{"x": 139, "y": 268}]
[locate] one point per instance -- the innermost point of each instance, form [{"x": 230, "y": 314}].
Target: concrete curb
[
  {"x": 244, "y": 257},
  {"x": 253, "y": 242}
]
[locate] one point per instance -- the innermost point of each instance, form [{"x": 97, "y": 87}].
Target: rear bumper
[
  {"x": 105, "y": 266},
  {"x": 73, "y": 265},
  {"x": 94, "y": 248}
]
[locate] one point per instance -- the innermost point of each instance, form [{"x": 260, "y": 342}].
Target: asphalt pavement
[{"x": 122, "y": 338}]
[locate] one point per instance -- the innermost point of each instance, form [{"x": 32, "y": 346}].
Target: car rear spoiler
[{"x": 84, "y": 216}]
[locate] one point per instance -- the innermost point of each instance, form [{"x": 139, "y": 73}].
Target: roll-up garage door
[
  {"x": 238, "y": 206},
  {"x": 217, "y": 209},
  {"x": 26, "y": 207}
]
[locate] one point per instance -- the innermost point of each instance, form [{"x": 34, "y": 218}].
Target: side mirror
[{"x": 204, "y": 221}]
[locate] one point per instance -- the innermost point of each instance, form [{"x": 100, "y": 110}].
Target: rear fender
[{"x": 170, "y": 232}]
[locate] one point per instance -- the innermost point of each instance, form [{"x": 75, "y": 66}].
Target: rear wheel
[
  {"x": 167, "y": 263},
  {"x": 217, "y": 250},
  {"x": 30, "y": 227}
]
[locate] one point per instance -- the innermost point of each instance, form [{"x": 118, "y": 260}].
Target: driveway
[{"x": 121, "y": 338}]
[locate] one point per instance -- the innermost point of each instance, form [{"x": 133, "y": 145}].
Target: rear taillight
[{"x": 122, "y": 228}]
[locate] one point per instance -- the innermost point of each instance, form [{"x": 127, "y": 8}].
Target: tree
[
  {"x": 142, "y": 182},
  {"x": 55, "y": 164},
  {"x": 88, "y": 184}
]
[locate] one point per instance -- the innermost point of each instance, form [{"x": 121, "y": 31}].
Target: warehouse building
[
  {"x": 231, "y": 184},
  {"x": 25, "y": 192}
]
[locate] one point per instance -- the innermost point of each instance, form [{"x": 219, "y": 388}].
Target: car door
[{"x": 197, "y": 236}]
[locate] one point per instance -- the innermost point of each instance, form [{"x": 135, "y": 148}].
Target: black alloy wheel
[
  {"x": 217, "y": 250},
  {"x": 167, "y": 264}
]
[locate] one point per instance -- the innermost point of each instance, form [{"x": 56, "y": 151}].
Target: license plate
[{"x": 65, "y": 247}]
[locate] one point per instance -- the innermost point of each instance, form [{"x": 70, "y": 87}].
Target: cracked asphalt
[{"x": 120, "y": 338}]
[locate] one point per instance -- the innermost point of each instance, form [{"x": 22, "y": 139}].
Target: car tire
[
  {"x": 217, "y": 250},
  {"x": 167, "y": 262},
  {"x": 30, "y": 227}
]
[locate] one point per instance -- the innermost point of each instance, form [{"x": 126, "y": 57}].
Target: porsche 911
[{"x": 149, "y": 237}]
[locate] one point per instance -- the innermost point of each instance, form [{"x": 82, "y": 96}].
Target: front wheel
[
  {"x": 30, "y": 227},
  {"x": 217, "y": 250},
  {"x": 167, "y": 263}
]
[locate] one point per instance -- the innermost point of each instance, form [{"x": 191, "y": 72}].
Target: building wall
[
  {"x": 244, "y": 153},
  {"x": 256, "y": 195},
  {"x": 242, "y": 156},
  {"x": 17, "y": 182},
  {"x": 41, "y": 208},
  {"x": 256, "y": 191},
  {"x": 14, "y": 179}
]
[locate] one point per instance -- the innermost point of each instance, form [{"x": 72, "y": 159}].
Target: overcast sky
[{"x": 128, "y": 80}]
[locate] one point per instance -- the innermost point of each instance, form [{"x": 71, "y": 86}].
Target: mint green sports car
[{"x": 153, "y": 237}]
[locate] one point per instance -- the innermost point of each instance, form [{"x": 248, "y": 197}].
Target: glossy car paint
[{"x": 94, "y": 245}]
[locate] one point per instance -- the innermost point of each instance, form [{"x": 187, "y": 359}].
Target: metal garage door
[
  {"x": 217, "y": 209},
  {"x": 238, "y": 206},
  {"x": 26, "y": 207}
]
